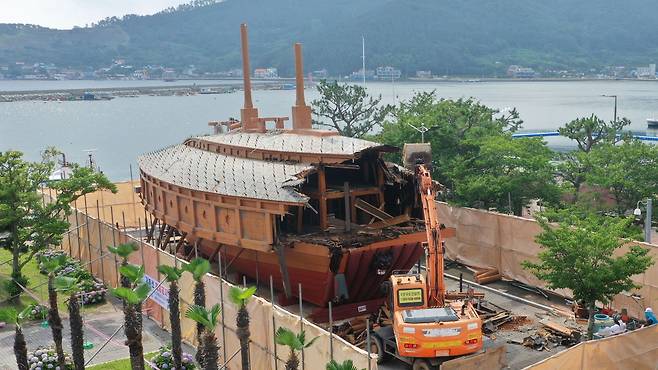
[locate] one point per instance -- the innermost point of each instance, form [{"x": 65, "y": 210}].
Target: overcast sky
[{"x": 65, "y": 14}]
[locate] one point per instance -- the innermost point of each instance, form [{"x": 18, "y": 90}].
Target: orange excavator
[{"x": 428, "y": 322}]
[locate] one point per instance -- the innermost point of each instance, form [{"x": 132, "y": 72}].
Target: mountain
[{"x": 456, "y": 37}]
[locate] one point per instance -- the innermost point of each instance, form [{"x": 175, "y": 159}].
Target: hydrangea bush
[
  {"x": 94, "y": 289},
  {"x": 38, "y": 312},
  {"x": 46, "y": 359},
  {"x": 164, "y": 361}
]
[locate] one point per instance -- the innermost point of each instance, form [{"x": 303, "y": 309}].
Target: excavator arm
[{"x": 434, "y": 249}]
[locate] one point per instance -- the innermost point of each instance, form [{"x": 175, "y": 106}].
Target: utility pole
[
  {"x": 647, "y": 221},
  {"x": 363, "y": 58}
]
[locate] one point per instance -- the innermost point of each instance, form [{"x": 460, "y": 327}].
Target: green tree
[
  {"x": 455, "y": 128},
  {"x": 123, "y": 251},
  {"x": 239, "y": 297},
  {"x": 199, "y": 267},
  {"x": 348, "y": 108},
  {"x": 588, "y": 133},
  {"x": 51, "y": 266},
  {"x": 579, "y": 253},
  {"x": 473, "y": 153},
  {"x": 208, "y": 320},
  {"x": 345, "y": 365},
  {"x": 294, "y": 342},
  {"x": 132, "y": 298},
  {"x": 35, "y": 225},
  {"x": 591, "y": 131},
  {"x": 20, "y": 346},
  {"x": 506, "y": 174},
  {"x": 71, "y": 286},
  {"x": 173, "y": 274},
  {"x": 629, "y": 171}
]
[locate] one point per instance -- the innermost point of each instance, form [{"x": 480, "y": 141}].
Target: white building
[
  {"x": 646, "y": 72},
  {"x": 266, "y": 73},
  {"x": 387, "y": 73},
  {"x": 424, "y": 74}
]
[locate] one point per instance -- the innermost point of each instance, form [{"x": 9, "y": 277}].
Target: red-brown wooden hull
[{"x": 309, "y": 265}]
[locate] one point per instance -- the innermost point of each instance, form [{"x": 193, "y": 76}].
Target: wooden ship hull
[
  {"x": 298, "y": 204},
  {"x": 363, "y": 269}
]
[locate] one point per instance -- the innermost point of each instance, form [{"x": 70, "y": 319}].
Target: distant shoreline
[{"x": 233, "y": 84}]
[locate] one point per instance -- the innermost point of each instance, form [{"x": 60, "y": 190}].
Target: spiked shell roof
[{"x": 197, "y": 169}]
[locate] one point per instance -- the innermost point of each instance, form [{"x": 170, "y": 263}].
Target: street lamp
[
  {"x": 647, "y": 220},
  {"x": 422, "y": 129},
  {"x": 612, "y": 96}
]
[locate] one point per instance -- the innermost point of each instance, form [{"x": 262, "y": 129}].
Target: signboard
[
  {"x": 160, "y": 295},
  {"x": 410, "y": 297}
]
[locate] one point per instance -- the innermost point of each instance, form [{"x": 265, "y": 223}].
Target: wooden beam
[
  {"x": 348, "y": 208},
  {"x": 371, "y": 210},
  {"x": 167, "y": 238},
  {"x": 390, "y": 222},
  {"x": 149, "y": 237},
  {"x": 284, "y": 270},
  {"x": 322, "y": 190},
  {"x": 380, "y": 182},
  {"x": 179, "y": 245},
  {"x": 300, "y": 219},
  {"x": 162, "y": 229}
]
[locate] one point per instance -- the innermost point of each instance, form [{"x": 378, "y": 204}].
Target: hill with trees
[{"x": 472, "y": 37}]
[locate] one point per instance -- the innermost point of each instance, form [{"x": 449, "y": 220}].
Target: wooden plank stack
[{"x": 487, "y": 276}]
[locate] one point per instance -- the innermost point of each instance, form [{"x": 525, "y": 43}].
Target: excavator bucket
[{"x": 415, "y": 154}]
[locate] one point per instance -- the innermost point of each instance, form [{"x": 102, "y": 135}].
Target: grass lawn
[
  {"x": 38, "y": 285},
  {"x": 123, "y": 364}
]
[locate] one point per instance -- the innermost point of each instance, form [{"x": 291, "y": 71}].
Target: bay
[{"x": 121, "y": 129}]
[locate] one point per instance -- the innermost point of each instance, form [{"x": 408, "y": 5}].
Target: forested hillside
[{"x": 455, "y": 37}]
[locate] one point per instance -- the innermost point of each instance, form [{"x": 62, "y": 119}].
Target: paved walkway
[{"x": 98, "y": 328}]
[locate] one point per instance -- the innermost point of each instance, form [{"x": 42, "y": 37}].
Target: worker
[{"x": 650, "y": 317}]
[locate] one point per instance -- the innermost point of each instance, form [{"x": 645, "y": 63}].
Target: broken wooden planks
[
  {"x": 487, "y": 276},
  {"x": 371, "y": 210}
]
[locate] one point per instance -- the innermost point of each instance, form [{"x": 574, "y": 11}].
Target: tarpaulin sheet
[
  {"x": 494, "y": 240},
  {"x": 637, "y": 350},
  {"x": 260, "y": 310}
]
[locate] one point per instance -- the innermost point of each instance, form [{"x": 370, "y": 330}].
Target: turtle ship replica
[{"x": 301, "y": 205}]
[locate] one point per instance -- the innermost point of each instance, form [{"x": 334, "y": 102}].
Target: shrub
[
  {"x": 93, "y": 289},
  {"x": 38, "y": 312},
  {"x": 163, "y": 359},
  {"x": 45, "y": 359}
]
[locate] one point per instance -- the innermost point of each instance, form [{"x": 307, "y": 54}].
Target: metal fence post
[
  {"x": 331, "y": 332},
  {"x": 91, "y": 268},
  {"x": 114, "y": 244},
  {"x": 276, "y": 359},
  {"x": 221, "y": 300},
  {"x": 77, "y": 228},
  {"x": 368, "y": 342},
  {"x": 301, "y": 319},
  {"x": 100, "y": 243}
]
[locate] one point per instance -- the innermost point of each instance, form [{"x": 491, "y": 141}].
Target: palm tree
[
  {"x": 124, "y": 251},
  {"x": 20, "y": 346},
  {"x": 199, "y": 267},
  {"x": 295, "y": 342},
  {"x": 71, "y": 286},
  {"x": 239, "y": 297},
  {"x": 172, "y": 275},
  {"x": 346, "y": 365},
  {"x": 132, "y": 311},
  {"x": 208, "y": 320},
  {"x": 54, "y": 320}
]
